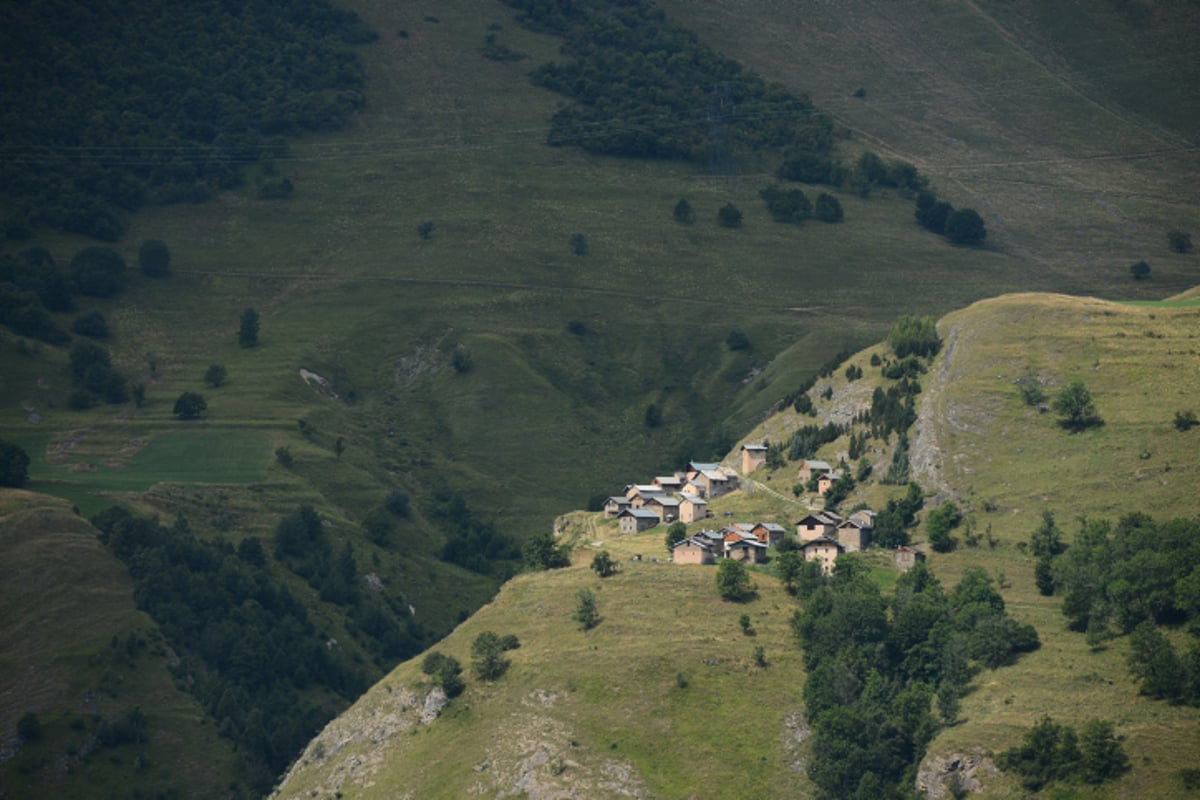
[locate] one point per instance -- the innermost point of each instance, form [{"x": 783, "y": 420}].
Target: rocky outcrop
[{"x": 941, "y": 774}]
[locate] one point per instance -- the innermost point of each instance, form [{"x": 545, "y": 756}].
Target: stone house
[
  {"x": 670, "y": 484},
  {"x": 692, "y": 508},
  {"x": 810, "y": 467},
  {"x": 753, "y": 457},
  {"x": 749, "y": 551},
  {"x": 636, "y": 520},
  {"x": 717, "y": 482},
  {"x": 692, "y": 551},
  {"x": 854, "y": 535},
  {"x": 814, "y": 526},
  {"x": 614, "y": 506},
  {"x": 768, "y": 532},
  {"x": 824, "y": 551},
  {"x": 907, "y": 557},
  {"x": 635, "y": 489},
  {"x": 826, "y": 481},
  {"x": 667, "y": 508}
]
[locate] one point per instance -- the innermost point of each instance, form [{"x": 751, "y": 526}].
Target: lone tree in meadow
[
  {"x": 190, "y": 405},
  {"x": 1140, "y": 271},
  {"x": 730, "y": 216},
  {"x": 425, "y": 229},
  {"x": 733, "y": 581},
  {"x": 248, "y": 329},
  {"x": 683, "y": 212},
  {"x": 1179, "y": 241},
  {"x": 14, "y": 463},
  {"x": 215, "y": 375},
  {"x": 966, "y": 227},
  {"x": 587, "y": 614},
  {"x": 603, "y": 564},
  {"x": 1075, "y": 407},
  {"x": 487, "y": 656},
  {"x": 154, "y": 257}
]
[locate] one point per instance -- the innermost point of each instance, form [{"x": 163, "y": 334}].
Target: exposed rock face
[{"x": 936, "y": 779}]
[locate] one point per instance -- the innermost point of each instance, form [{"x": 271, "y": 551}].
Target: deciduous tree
[
  {"x": 14, "y": 464},
  {"x": 1075, "y": 407},
  {"x": 248, "y": 329},
  {"x": 733, "y": 581},
  {"x": 154, "y": 257},
  {"x": 190, "y": 405}
]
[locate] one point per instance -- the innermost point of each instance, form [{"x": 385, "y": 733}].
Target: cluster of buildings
[
  {"x": 684, "y": 497},
  {"x": 680, "y": 497}
]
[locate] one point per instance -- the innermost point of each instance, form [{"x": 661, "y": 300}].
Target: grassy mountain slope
[
  {"x": 549, "y": 725},
  {"x": 1071, "y": 127},
  {"x": 77, "y": 653},
  {"x": 661, "y": 699}
]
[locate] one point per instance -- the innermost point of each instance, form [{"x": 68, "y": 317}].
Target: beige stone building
[
  {"x": 753, "y": 457},
  {"x": 824, "y": 551}
]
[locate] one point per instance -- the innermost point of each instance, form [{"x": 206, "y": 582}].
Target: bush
[
  {"x": 215, "y": 375},
  {"x": 940, "y": 522},
  {"x": 729, "y": 216},
  {"x": 92, "y": 324},
  {"x": 14, "y": 464},
  {"x": 541, "y": 552},
  {"x": 913, "y": 335},
  {"x": 828, "y": 209},
  {"x": 733, "y": 581},
  {"x": 1075, "y": 407},
  {"x": 397, "y": 503},
  {"x": 283, "y": 455},
  {"x": 1179, "y": 241},
  {"x": 487, "y": 659},
  {"x": 683, "y": 212},
  {"x": 425, "y": 229},
  {"x": 787, "y": 205},
  {"x": 603, "y": 565},
  {"x": 586, "y": 612},
  {"x": 965, "y": 227},
  {"x": 737, "y": 340},
  {"x": 461, "y": 360},
  {"x": 1185, "y": 420},
  {"x": 98, "y": 271},
  {"x": 191, "y": 405},
  {"x": 248, "y": 328},
  {"x": 1140, "y": 271},
  {"x": 579, "y": 244},
  {"x": 29, "y": 727},
  {"x": 154, "y": 257}
]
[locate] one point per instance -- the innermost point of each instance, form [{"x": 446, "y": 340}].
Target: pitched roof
[
  {"x": 762, "y": 447},
  {"x": 702, "y": 466},
  {"x": 692, "y": 541},
  {"x": 812, "y": 463},
  {"x": 640, "y": 513},
  {"x": 771, "y": 526},
  {"x": 693, "y": 499},
  {"x": 751, "y": 542},
  {"x": 823, "y": 540}
]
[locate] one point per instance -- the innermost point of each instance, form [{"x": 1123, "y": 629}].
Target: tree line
[
  {"x": 1136, "y": 578},
  {"x": 148, "y": 103},
  {"x": 249, "y": 651},
  {"x": 878, "y": 668},
  {"x": 644, "y": 87}
]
